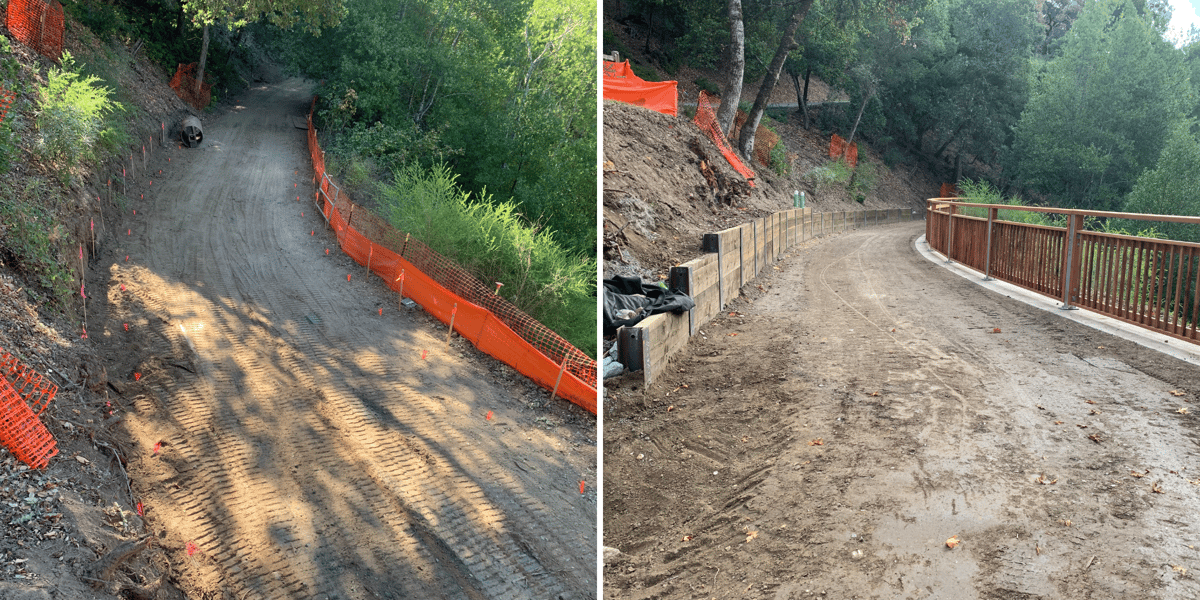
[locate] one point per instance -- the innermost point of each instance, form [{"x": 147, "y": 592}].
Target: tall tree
[
  {"x": 731, "y": 90},
  {"x": 1098, "y": 114},
  {"x": 312, "y": 15},
  {"x": 787, "y": 43},
  {"x": 1170, "y": 187}
]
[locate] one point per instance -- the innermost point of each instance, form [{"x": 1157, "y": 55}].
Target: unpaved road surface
[
  {"x": 860, "y": 410},
  {"x": 288, "y": 439}
]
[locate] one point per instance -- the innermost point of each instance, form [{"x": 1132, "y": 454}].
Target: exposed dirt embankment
[{"x": 666, "y": 184}]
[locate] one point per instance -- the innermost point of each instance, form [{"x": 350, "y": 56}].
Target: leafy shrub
[
  {"x": 71, "y": 113},
  {"x": 708, "y": 86},
  {"x": 29, "y": 234},
  {"x": 892, "y": 157},
  {"x": 828, "y": 175},
  {"x": 864, "y": 178},
  {"x": 495, "y": 243},
  {"x": 780, "y": 164}
]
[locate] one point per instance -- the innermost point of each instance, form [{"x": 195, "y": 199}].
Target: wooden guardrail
[
  {"x": 1148, "y": 282},
  {"x": 733, "y": 257}
]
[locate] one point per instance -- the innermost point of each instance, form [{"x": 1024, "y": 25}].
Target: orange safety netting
[
  {"x": 839, "y": 148},
  {"x": 446, "y": 291},
  {"x": 37, "y": 24},
  {"x": 184, "y": 84},
  {"x": 949, "y": 190},
  {"x": 764, "y": 139},
  {"x": 6, "y": 99},
  {"x": 706, "y": 120},
  {"x": 24, "y": 394},
  {"x": 622, "y": 85}
]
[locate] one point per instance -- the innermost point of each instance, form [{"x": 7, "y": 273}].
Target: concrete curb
[{"x": 1176, "y": 348}]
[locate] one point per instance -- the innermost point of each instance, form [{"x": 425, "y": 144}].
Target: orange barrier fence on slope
[
  {"x": 449, "y": 293},
  {"x": 839, "y": 148},
  {"x": 948, "y": 190},
  {"x": 764, "y": 139},
  {"x": 706, "y": 120},
  {"x": 37, "y": 24},
  {"x": 621, "y": 84},
  {"x": 24, "y": 394},
  {"x": 184, "y": 84}
]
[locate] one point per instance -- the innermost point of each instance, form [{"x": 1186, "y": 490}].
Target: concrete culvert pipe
[{"x": 191, "y": 131}]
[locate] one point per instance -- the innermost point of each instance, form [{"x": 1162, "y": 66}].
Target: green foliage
[
  {"x": 512, "y": 85},
  {"x": 1097, "y": 115},
  {"x": 31, "y": 235},
  {"x": 982, "y": 192},
  {"x": 71, "y": 112},
  {"x": 829, "y": 175},
  {"x": 865, "y": 177},
  {"x": 495, "y": 243},
  {"x": 708, "y": 87},
  {"x": 1170, "y": 188}
]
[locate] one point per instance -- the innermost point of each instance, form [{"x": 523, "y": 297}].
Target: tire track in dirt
[
  {"x": 865, "y": 411},
  {"x": 313, "y": 453}
]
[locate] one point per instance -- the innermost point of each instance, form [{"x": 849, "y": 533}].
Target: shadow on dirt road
[{"x": 291, "y": 439}]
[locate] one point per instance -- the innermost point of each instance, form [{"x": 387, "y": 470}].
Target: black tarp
[{"x": 629, "y": 293}]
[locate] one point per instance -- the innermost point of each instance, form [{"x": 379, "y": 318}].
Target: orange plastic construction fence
[
  {"x": 446, "y": 291},
  {"x": 839, "y": 148},
  {"x": 24, "y": 394},
  {"x": 6, "y": 99},
  {"x": 706, "y": 120},
  {"x": 948, "y": 190},
  {"x": 764, "y": 139},
  {"x": 37, "y": 24},
  {"x": 622, "y": 85},
  {"x": 184, "y": 84}
]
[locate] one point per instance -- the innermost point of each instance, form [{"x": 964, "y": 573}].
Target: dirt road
[
  {"x": 864, "y": 407},
  {"x": 290, "y": 441}
]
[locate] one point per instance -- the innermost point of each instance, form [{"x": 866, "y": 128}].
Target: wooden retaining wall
[{"x": 733, "y": 258}]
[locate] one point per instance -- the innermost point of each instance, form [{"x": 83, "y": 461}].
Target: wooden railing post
[
  {"x": 950, "y": 232},
  {"x": 1071, "y": 262},
  {"x": 993, "y": 214}
]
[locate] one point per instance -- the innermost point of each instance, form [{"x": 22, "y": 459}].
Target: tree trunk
[
  {"x": 731, "y": 91},
  {"x": 786, "y": 45},
  {"x": 807, "y": 78},
  {"x": 203, "y": 59},
  {"x": 862, "y": 107}
]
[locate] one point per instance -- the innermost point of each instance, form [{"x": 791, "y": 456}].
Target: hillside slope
[{"x": 658, "y": 200}]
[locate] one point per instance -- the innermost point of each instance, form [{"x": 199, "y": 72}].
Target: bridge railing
[{"x": 1149, "y": 282}]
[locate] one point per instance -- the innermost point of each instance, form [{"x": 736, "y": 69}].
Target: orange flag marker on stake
[{"x": 582, "y": 486}]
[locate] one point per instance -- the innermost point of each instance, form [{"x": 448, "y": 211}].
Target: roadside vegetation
[
  {"x": 473, "y": 128},
  {"x": 1089, "y": 105}
]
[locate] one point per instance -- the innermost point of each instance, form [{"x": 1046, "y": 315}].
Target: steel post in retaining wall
[
  {"x": 987, "y": 270},
  {"x": 680, "y": 278},
  {"x": 630, "y": 349},
  {"x": 711, "y": 242}
]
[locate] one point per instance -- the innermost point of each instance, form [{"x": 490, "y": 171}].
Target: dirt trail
[
  {"x": 295, "y": 438},
  {"x": 861, "y": 408}
]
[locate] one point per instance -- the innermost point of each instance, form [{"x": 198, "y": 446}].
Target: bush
[
  {"x": 828, "y": 175},
  {"x": 495, "y": 243},
  {"x": 709, "y": 87},
  {"x": 71, "y": 113},
  {"x": 29, "y": 238}
]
